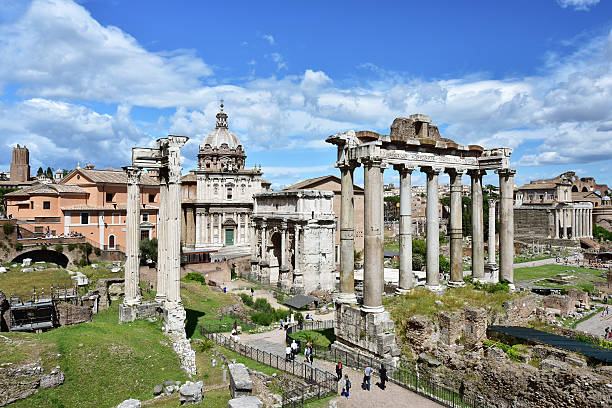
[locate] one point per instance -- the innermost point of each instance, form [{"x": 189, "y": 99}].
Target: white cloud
[
  {"x": 582, "y": 5},
  {"x": 278, "y": 60},
  {"x": 269, "y": 38}
]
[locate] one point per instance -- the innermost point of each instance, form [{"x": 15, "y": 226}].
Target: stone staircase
[
  {"x": 231, "y": 252},
  {"x": 589, "y": 243}
]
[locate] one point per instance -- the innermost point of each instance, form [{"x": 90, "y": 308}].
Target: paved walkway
[
  {"x": 534, "y": 263},
  {"x": 597, "y": 324},
  {"x": 393, "y": 396}
]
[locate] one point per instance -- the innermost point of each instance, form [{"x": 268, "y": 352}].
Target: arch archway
[
  {"x": 585, "y": 190},
  {"x": 574, "y": 189},
  {"x": 43, "y": 255},
  {"x": 111, "y": 242}
]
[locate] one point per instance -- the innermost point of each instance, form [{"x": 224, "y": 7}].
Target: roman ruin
[
  {"x": 165, "y": 160},
  {"x": 413, "y": 143}
]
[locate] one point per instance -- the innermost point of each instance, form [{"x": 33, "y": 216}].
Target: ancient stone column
[
  {"x": 183, "y": 220},
  {"x": 491, "y": 231},
  {"x": 580, "y": 223},
  {"x": 373, "y": 236},
  {"x": 347, "y": 237},
  {"x": 264, "y": 245},
  {"x": 556, "y": 224},
  {"x": 405, "y": 229},
  {"x": 433, "y": 229},
  {"x": 190, "y": 234},
  {"x": 477, "y": 226},
  {"x": 298, "y": 281},
  {"x": 283, "y": 260},
  {"x": 506, "y": 225},
  {"x": 589, "y": 223},
  {"x": 132, "y": 247},
  {"x": 564, "y": 212},
  {"x": 456, "y": 228},
  {"x": 162, "y": 238}
]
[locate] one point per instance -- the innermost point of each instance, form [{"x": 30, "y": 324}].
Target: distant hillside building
[{"x": 217, "y": 197}]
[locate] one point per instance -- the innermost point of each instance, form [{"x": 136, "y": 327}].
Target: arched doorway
[
  {"x": 111, "y": 242},
  {"x": 43, "y": 255},
  {"x": 229, "y": 234},
  {"x": 274, "y": 256}
]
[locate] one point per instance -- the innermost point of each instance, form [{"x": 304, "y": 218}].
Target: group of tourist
[
  {"x": 367, "y": 378},
  {"x": 608, "y": 334},
  {"x": 605, "y": 311}
]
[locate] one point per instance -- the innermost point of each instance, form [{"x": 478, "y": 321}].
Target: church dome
[{"x": 221, "y": 134}]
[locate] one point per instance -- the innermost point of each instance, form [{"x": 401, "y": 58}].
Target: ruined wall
[
  {"x": 563, "y": 303},
  {"x": 68, "y": 314},
  {"x": 518, "y": 311},
  {"x": 531, "y": 222}
]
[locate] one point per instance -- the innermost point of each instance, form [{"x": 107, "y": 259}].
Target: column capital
[
  {"x": 454, "y": 171},
  {"x": 492, "y": 201},
  {"x": 347, "y": 165},
  {"x": 133, "y": 174},
  {"x": 506, "y": 172},
  {"x": 177, "y": 141},
  {"x": 477, "y": 172},
  {"x": 373, "y": 161},
  {"x": 432, "y": 169},
  {"x": 405, "y": 168},
  {"x": 175, "y": 174}
]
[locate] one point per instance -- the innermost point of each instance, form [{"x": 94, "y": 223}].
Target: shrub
[
  {"x": 195, "y": 277},
  {"x": 59, "y": 248},
  {"x": 246, "y": 299},
  {"x": 8, "y": 228},
  {"x": 97, "y": 251},
  {"x": 18, "y": 246},
  {"x": 43, "y": 247},
  {"x": 262, "y": 318},
  {"x": 71, "y": 247}
]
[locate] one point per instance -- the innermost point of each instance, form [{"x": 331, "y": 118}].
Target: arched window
[
  {"x": 585, "y": 190},
  {"x": 111, "y": 242},
  {"x": 574, "y": 189}
]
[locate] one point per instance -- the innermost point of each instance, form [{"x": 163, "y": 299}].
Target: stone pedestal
[
  {"x": 129, "y": 313},
  {"x": 365, "y": 332}
]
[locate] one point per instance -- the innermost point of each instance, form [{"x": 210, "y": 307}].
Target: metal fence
[
  {"x": 319, "y": 383},
  {"x": 405, "y": 377}
]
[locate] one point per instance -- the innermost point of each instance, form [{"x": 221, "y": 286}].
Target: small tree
[
  {"x": 59, "y": 248},
  {"x": 40, "y": 172},
  {"x": 148, "y": 249},
  {"x": 8, "y": 228}
]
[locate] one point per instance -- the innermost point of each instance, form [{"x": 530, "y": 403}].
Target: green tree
[
  {"x": 601, "y": 233},
  {"x": 49, "y": 172},
  {"x": 40, "y": 172},
  {"x": 148, "y": 249}
]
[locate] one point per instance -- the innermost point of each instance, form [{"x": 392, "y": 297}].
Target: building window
[
  {"x": 111, "y": 242},
  {"x": 84, "y": 218},
  {"x": 337, "y": 253},
  {"x": 151, "y": 198},
  {"x": 145, "y": 217},
  {"x": 46, "y": 205},
  {"x": 31, "y": 205},
  {"x": 229, "y": 193},
  {"x": 110, "y": 197}
]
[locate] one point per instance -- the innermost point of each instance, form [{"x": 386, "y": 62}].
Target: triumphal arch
[{"x": 413, "y": 144}]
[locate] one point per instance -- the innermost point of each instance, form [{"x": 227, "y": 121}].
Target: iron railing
[
  {"x": 405, "y": 377},
  {"x": 319, "y": 383}
]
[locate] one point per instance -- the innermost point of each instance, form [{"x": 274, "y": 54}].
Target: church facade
[{"x": 217, "y": 200}]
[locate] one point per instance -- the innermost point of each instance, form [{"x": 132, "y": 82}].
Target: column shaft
[
  {"x": 433, "y": 230},
  {"x": 283, "y": 260},
  {"x": 162, "y": 256},
  {"x": 477, "y": 226},
  {"x": 564, "y": 213},
  {"x": 174, "y": 235},
  {"x": 405, "y": 229},
  {"x": 373, "y": 237},
  {"x": 491, "y": 232},
  {"x": 347, "y": 237},
  {"x": 506, "y": 225},
  {"x": 456, "y": 228},
  {"x": 556, "y": 224},
  {"x": 132, "y": 250}
]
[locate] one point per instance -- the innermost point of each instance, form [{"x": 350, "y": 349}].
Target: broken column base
[
  {"x": 459, "y": 284},
  {"x": 366, "y": 333},
  {"x": 435, "y": 288},
  {"x": 129, "y": 313},
  {"x": 491, "y": 273},
  {"x": 174, "y": 325}
]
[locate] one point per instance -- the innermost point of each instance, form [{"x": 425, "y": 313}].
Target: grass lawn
[
  {"x": 583, "y": 277},
  {"x": 319, "y": 338},
  {"x": 22, "y": 283},
  {"x": 211, "y": 399},
  {"x": 106, "y": 363},
  {"x": 523, "y": 259}
]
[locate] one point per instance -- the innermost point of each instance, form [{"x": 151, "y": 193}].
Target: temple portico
[{"x": 413, "y": 143}]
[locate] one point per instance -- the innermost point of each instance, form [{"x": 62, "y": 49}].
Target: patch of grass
[
  {"x": 513, "y": 352},
  {"x": 584, "y": 278},
  {"x": 322, "y": 403},
  {"x": 106, "y": 363},
  {"x": 22, "y": 283},
  {"x": 319, "y": 338},
  {"x": 248, "y": 362}
]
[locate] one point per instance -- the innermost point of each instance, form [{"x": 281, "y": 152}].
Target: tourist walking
[
  {"x": 367, "y": 378},
  {"x": 301, "y": 323},
  {"x": 288, "y": 353},
  {"x": 382, "y": 373},
  {"x": 252, "y": 292},
  {"x": 346, "y": 386},
  {"x": 294, "y": 349},
  {"x": 339, "y": 370},
  {"x": 307, "y": 352}
]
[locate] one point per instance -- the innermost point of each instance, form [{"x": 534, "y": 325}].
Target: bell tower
[{"x": 20, "y": 166}]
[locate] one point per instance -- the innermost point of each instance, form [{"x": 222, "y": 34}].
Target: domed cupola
[{"x": 221, "y": 150}]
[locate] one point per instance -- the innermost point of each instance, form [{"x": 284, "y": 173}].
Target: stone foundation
[
  {"x": 367, "y": 332},
  {"x": 129, "y": 313},
  {"x": 174, "y": 324},
  {"x": 68, "y": 314}
]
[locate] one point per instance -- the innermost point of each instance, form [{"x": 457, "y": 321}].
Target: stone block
[
  {"x": 240, "y": 381},
  {"x": 552, "y": 364},
  {"x": 116, "y": 290},
  {"x": 432, "y": 362},
  {"x": 562, "y": 302},
  {"x": 68, "y": 314},
  {"x": 191, "y": 393},
  {"x": 130, "y": 403},
  {"x": 27, "y": 269},
  {"x": 26, "y": 262},
  {"x": 245, "y": 402},
  {"x": 52, "y": 380},
  {"x": 2, "y": 269}
]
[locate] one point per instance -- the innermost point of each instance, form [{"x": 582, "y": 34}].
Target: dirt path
[{"x": 596, "y": 325}]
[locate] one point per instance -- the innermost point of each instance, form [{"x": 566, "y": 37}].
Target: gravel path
[
  {"x": 392, "y": 396},
  {"x": 597, "y": 324}
]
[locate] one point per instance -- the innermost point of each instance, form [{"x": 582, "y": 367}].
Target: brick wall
[
  {"x": 531, "y": 222},
  {"x": 68, "y": 314}
]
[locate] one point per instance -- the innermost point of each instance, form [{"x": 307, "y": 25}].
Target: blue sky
[{"x": 85, "y": 81}]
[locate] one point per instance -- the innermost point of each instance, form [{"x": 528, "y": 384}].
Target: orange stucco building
[{"x": 87, "y": 201}]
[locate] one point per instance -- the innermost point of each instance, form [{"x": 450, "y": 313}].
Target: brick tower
[{"x": 20, "y": 166}]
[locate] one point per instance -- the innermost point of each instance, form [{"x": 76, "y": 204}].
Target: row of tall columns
[
  {"x": 132, "y": 247},
  {"x": 578, "y": 219},
  {"x": 373, "y": 230}
]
